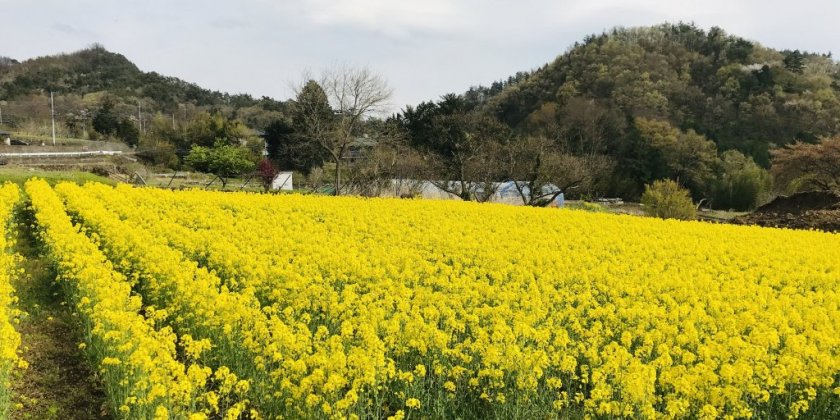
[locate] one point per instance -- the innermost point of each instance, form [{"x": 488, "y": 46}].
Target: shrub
[{"x": 666, "y": 199}]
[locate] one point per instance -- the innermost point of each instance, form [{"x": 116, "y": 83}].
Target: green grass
[
  {"x": 37, "y": 138},
  {"x": 586, "y": 206},
  {"x": 20, "y": 175},
  {"x": 200, "y": 181},
  {"x": 4, "y": 392}
]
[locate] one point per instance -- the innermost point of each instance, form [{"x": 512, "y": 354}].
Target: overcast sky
[{"x": 423, "y": 48}]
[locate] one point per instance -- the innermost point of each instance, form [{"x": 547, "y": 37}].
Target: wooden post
[
  {"x": 172, "y": 179},
  {"x": 211, "y": 181},
  {"x": 247, "y": 180},
  {"x": 140, "y": 178}
]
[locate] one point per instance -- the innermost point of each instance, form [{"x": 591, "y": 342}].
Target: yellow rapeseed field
[
  {"x": 303, "y": 306},
  {"x": 9, "y": 338},
  {"x": 137, "y": 357}
]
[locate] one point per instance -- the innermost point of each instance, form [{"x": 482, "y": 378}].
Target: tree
[
  {"x": 465, "y": 154},
  {"x": 539, "y": 172},
  {"x": 390, "y": 166},
  {"x": 331, "y": 112},
  {"x": 803, "y": 166},
  {"x": 105, "y": 122},
  {"x": 128, "y": 132},
  {"x": 689, "y": 156},
  {"x": 157, "y": 144},
  {"x": 463, "y": 149},
  {"x": 267, "y": 172},
  {"x": 666, "y": 199},
  {"x": 222, "y": 160},
  {"x": 740, "y": 184},
  {"x": 77, "y": 123},
  {"x": 156, "y": 151},
  {"x": 288, "y": 148},
  {"x": 794, "y": 61}
]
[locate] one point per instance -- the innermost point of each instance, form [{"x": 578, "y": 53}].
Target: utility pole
[
  {"x": 139, "y": 117},
  {"x": 1, "y": 115},
  {"x": 52, "y": 114}
]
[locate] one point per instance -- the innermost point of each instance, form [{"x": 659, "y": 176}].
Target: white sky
[{"x": 423, "y": 48}]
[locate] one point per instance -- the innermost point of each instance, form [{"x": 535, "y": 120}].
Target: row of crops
[
  {"x": 198, "y": 304},
  {"x": 9, "y": 337}
]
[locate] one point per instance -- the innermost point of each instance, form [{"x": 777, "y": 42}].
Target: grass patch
[
  {"x": 586, "y": 206},
  {"x": 37, "y": 138},
  {"x": 21, "y": 175}
]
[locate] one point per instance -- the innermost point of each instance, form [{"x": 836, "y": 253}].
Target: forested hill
[
  {"x": 736, "y": 92},
  {"x": 95, "y": 71}
]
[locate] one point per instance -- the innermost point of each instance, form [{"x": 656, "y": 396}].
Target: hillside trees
[
  {"x": 803, "y": 166},
  {"x": 107, "y": 123},
  {"x": 735, "y": 92},
  {"x": 729, "y": 181},
  {"x": 207, "y": 129},
  {"x": 94, "y": 69},
  {"x": 158, "y": 145},
  {"x": 688, "y": 156}
]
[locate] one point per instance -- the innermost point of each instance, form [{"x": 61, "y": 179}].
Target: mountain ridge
[{"x": 736, "y": 92}]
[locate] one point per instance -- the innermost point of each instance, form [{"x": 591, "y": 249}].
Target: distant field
[
  {"x": 20, "y": 175},
  {"x": 35, "y": 140}
]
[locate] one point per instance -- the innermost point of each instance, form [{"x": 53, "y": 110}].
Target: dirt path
[{"x": 58, "y": 383}]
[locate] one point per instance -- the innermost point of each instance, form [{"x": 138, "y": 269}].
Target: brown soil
[
  {"x": 808, "y": 210},
  {"x": 59, "y": 383}
]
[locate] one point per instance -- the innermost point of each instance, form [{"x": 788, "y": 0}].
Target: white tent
[{"x": 282, "y": 181}]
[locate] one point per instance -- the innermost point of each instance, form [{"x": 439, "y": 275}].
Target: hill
[
  {"x": 734, "y": 91},
  {"x": 82, "y": 79}
]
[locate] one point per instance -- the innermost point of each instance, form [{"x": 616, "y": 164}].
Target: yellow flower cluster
[
  {"x": 376, "y": 307},
  {"x": 137, "y": 358},
  {"x": 9, "y": 338}
]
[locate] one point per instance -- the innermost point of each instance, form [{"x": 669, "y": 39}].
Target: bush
[{"x": 666, "y": 199}]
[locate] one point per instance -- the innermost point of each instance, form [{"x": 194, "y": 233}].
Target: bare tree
[
  {"x": 464, "y": 159},
  {"x": 539, "y": 172},
  {"x": 332, "y": 111},
  {"x": 390, "y": 167},
  {"x": 808, "y": 166}
]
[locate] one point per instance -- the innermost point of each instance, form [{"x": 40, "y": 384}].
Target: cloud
[
  {"x": 229, "y": 23},
  {"x": 72, "y": 30},
  {"x": 390, "y": 17}
]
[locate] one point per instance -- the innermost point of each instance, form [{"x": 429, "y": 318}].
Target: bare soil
[
  {"x": 59, "y": 383},
  {"x": 809, "y": 210}
]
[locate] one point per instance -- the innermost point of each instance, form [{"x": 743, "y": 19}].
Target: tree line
[{"x": 715, "y": 113}]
